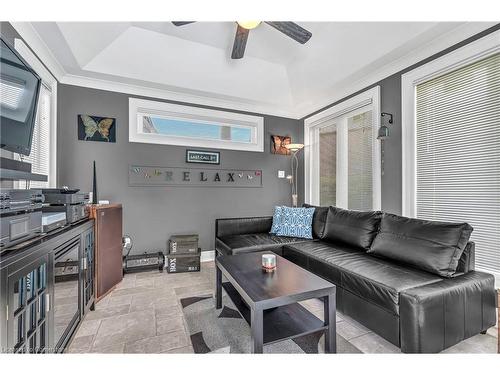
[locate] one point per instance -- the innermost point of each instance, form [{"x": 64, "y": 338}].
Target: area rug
[{"x": 225, "y": 331}]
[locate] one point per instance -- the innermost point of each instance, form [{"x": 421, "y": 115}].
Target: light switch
[{"x": 281, "y": 174}]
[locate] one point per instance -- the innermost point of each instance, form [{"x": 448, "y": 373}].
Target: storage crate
[
  {"x": 182, "y": 263},
  {"x": 183, "y": 244}
]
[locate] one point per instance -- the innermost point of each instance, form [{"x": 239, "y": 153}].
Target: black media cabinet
[{"x": 55, "y": 270}]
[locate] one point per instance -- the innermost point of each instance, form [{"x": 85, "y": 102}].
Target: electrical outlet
[{"x": 281, "y": 174}]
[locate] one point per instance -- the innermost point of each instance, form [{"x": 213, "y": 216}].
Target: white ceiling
[{"x": 276, "y": 76}]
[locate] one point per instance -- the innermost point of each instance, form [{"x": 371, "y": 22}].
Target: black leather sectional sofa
[{"x": 410, "y": 281}]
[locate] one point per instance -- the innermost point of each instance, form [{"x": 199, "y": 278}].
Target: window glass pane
[
  {"x": 188, "y": 129},
  {"x": 19, "y": 293},
  {"x": 33, "y": 344},
  {"x": 41, "y": 306},
  {"x": 328, "y": 165},
  {"x": 359, "y": 161},
  {"x": 458, "y": 153},
  {"x": 32, "y": 319},
  {"x": 31, "y": 285},
  {"x": 42, "y": 277},
  {"x": 19, "y": 328},
  {"x": 41, "y": 338},
  {"x": 39, "y": 157}
]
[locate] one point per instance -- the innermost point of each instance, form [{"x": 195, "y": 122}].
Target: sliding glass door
[
  {"x": 342, "y": 157},
  {"x": 328, "y": 165},
  {"x": 360, "y": 161}
]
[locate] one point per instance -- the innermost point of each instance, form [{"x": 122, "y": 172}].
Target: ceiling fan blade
[
  {"x": 292, "y": 30},
  {"x": 182, "y": 23},
  {"x": 240, "y": 42}
]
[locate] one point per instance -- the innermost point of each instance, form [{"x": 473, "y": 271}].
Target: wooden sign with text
[{"x": 176, "y": 176}]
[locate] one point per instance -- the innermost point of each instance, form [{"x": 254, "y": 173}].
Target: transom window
[{"x": 171, "y": 124}]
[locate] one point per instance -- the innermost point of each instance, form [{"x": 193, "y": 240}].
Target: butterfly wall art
[{"x": 95, "y": 128}]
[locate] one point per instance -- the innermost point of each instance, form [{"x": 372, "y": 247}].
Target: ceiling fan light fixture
[{"x": 249, "y": 25}]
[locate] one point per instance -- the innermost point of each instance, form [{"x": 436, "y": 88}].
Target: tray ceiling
[{"x": 192, "y": 62}]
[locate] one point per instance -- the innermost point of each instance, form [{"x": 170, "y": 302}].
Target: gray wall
[
  {"x": 152, "y": 214},
  {"x": 390, "y": 92}
]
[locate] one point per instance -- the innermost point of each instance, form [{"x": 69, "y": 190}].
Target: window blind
[
  {"x": 458, "y": 153},
  {"x": 39, "y": 157},
  {"x": 328, "y": 165},
  {"x": 359, "y": 159}
]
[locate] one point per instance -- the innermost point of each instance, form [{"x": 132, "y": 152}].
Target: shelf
[
  {"x": 11, "y": 174},
  {"x": 280, "y": 323}
]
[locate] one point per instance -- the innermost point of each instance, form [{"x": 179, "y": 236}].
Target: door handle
[
  {"x": 84, "y": 263},
  {"x": 47, "y": 302}
]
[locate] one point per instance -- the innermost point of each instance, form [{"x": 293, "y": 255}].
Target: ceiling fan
[{"x": 290, "y": 29}]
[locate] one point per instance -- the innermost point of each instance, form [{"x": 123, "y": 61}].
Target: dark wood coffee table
[{"x": 269, "y": 301}]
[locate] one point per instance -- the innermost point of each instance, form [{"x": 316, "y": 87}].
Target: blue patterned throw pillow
[
  {"x": 276, "y": 220},
  {"x": 296, "y": 222}
]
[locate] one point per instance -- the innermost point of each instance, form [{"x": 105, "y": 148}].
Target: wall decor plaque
[
  {"x": 205, "y": 157},
  {"x": 96, "y": 128},
  {"x": 278, "y": 143},
  {"x": 139, "y": 175}
]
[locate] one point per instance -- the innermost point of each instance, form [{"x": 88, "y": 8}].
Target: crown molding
[
  {"x": 452, "y": 37},
  {"x": 39, "y": 48},
  {"x": 456, "y": 35},
  {"x": 150, "y": 92}
]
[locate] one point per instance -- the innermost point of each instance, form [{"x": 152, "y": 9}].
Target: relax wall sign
[{"x": 176, "y": 176}]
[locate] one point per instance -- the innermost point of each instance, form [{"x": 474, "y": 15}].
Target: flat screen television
[{"x": 19, "y": 91}]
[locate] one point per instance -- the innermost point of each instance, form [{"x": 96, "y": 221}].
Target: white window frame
[
  {"x": 367, "y": 100},
  {"x": 138, "y": 108},
  {"x": 466, "y": 55},
  {"x": 50, "y": 81}
]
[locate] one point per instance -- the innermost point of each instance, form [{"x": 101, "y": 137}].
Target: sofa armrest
[
  {"x": 244, "y": 225},
  {"x": 466, "y": 263},
  {"x": 436, "y": 316}
]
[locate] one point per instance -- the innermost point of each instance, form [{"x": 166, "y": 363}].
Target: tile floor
[{"x": 143, "y": 315}]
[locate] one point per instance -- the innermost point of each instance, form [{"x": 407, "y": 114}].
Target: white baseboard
[{"x": 207, "y": 256}]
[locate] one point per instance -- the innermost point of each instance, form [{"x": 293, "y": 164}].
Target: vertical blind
[
  {"x": 359, "y": 159},
  {"x": 39, "y": 157},
  {"x": 458, "y": 153}
]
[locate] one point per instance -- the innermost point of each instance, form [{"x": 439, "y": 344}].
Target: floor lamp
[{"x": 294, "y": 148}]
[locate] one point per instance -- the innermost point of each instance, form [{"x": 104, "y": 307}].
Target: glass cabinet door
[
  {"x": 67, "y": 307},
  {"x": 29, "y": 303},
  {"x": 88, "y": 269}
]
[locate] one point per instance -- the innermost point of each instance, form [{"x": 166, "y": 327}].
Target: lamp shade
[{"x": 294, "y": 146}]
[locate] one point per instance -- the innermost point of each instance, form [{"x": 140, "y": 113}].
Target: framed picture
[
  {"x": 278, "y": 143},
  {"x": 96, "y": 128},
  {"x": 204, "y": 157}
]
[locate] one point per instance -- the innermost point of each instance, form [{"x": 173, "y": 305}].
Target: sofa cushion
[
  {"x": 242, "y": 243},
  {"x": 319, "y": 220},
  {"x": 352, "y": 228},
  {"x": 296, "y": 222},
  {"x": 318, "y": 257},
  {"x": 375, "y": 280},
  {"x": 432, "y": 246},
  {"x": 277, "y": 217},
  {"x": 381, "y": 282}
]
